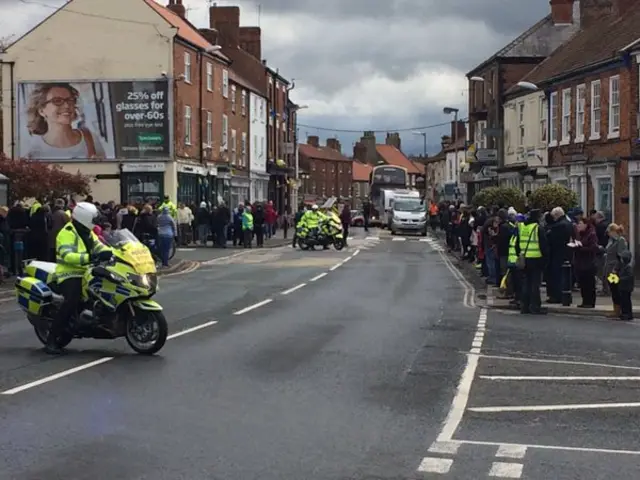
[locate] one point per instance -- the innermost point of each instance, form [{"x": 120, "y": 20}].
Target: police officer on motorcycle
[{"x": 77, "y": 247}]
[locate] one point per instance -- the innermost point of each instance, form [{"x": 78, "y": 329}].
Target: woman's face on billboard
[{"x": 60, "y": 106}]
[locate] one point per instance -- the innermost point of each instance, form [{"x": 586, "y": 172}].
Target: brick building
[
  {"x": 243, "y": 45},
  {"x": 591, "y": 90},
  {"x": 330, "y": 172},
  {"x": 199, "y": 71},
  {"x": 489, "y": 81},
  {"x": 361, "y": 183}
]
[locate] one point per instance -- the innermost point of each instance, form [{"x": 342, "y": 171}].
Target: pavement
[{"x": 370, "y": 363}]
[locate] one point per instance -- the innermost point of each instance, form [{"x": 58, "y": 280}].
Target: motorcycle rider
[
  {"x": 310, "y": 221},
  {"x": 76, "y": 248}
]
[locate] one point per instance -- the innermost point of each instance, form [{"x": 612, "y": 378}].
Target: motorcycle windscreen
[{"x": 139, "y": 257}]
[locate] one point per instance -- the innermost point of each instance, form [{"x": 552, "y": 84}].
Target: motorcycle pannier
[{"x": 32, "y": 294}]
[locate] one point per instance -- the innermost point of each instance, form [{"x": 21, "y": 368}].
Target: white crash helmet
[
  {"x": 314, "y": 207},
  {"x": 86, "y": 214}
]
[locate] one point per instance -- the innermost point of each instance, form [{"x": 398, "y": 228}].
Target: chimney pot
[
  {"x": 562, "y": 11},
  {"x": 178, "y": 8},
  {"x": 313, "y": 140}
]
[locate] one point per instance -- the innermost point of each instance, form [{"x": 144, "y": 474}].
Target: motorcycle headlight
[{"x": 117, "y": 278}]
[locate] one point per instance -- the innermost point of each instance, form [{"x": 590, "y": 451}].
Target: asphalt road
[{"x": 349, "y": 365}]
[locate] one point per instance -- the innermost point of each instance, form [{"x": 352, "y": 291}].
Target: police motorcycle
[
  {"x": 332, "y": 233},
  {"x": 308, "y": 238},
  {"x": 116, "y": 298}
]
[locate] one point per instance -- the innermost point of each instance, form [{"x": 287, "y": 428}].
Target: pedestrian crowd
[{"x": 518, "y": 252}]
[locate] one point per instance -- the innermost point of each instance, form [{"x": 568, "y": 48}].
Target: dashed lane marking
[
  {"x": 293, "y": 289},
  {"x": 435, "y": 465},
  {"x": 506, "y": 470},
  {"x": 511, "y": 451},
  {"x": 448, "y": 448},
  {"x": 253, "y": 307}
]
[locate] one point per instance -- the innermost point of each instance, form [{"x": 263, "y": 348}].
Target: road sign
[{"x": 486, "y": 155}]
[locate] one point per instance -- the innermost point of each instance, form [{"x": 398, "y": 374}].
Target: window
[
  {"x": 243, "y": 107},
  {"x": 243, "y": 150},
  {"x": 187, "y": 67},
  {"x": 581, "y": 94},
  {"x": 262, "y": 140},
  {"x": 209, "y": 77},
  {"x": 225, "y": 83},
  {"x": 614, "y": 107},
  {"x": 209, "y": 128},
  {"x": 604, "y": 197},
  {"x": 553, "y": 118},
  {"x": 187, "y": 125},
  {"x": 233, "y": 98},
  {"x": 234, "y": 145},
  {"x": 225, "y": 132},
  {"x": 543, "y": 119},
  {"x": 480, "y": 138},
  {"x": 566, "y": 115},
  {"x": 255, "y": 146},
  {"x": 521, "y": 124},
  {"x": 595, "y": 110},
  {"x": 262, "y": 110}
]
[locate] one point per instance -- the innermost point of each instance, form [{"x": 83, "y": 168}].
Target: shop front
[
  {"x": 142, "y": 182},
  {"x": 192, "y": 185},
  {"x": 259, "y": 186},
  {"x": 240, "y": 187}
]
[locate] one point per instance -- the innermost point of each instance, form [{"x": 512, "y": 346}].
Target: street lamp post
[
  {"x": 294, "y": 203},
  {"x": 449, "y": 111},
  {"x": 424, "y": 138}
]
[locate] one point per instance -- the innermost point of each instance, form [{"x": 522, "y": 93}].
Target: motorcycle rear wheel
[
  {"x": 338, "y": 244},
  {"x": 135, "y": 327},
  {"x": 42, "y": 332}
]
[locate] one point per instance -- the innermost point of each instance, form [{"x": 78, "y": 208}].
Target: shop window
[
  {"x": 188, "y": 188},
  {"x": 604, "y": 197},
  {"x": 141, "y": 188}
]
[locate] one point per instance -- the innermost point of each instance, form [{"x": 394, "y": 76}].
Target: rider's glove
[{"x": 103, "y": 256}]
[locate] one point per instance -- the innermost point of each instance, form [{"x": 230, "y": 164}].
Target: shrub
[
  {"x": 503, "y": 197},
  {"x": 553, "y": 195}
]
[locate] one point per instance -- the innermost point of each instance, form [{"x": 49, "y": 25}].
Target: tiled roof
[
  {"x": 235, "y": 78},
  {"x": 539, "y": 41},
  {"x": 361, "y": 172},
  {"x": 418, "y": 165},
  {"x": 321, "y": 153},
  {"x": 393, "y": 156},
  {"x": 591, "y": 46}
]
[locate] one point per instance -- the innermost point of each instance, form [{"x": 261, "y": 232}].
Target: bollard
[{"x": 567, "y": 284}]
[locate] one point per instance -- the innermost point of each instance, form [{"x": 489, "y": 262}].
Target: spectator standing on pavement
[
  {"x": 270, "y": 219},
  {"x": 625, "y": 285},
  {"x": 559, "y": 233},
  {"x": 367, "y": 210},
  {"x": 603, "y": 239},
  {"x": 614, "y": 251},
  {"x": 202, "y": 221},
  {"x": 531, "y": 249},
  {"x": 345, "y": 219},
  {"x": 167, "y": 231},
  {"x": 185, "y": 217},
  {"x": 585, "y": 253},
  {"x": 259, "y": 219}
]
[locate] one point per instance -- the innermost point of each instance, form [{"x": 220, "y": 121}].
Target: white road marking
[
  {"x": 560, "y": 379},
  {"x": 346, "y": 259},
  {"x": 551, "y": 447},
  {"x": 511, "y": 451},
  {"x": 186, "y": 249},
  {"x": 226, "y": 257},
  {"x": 459, "y": 404},
  {"x": 191, "y": 330},
  {"x": 448, "y": 448},
  {"x": 553, "y": 408},
  {"x": 469, "y": 299},
  {"x": 561, "y": 362},
  {"x": 318, "y": 277},
  {"x": 435, "y": 465},
  {"x": 291, "y": 290},
  {"x": 335, "y": 267},
  {"x": 425, "y": 240},
  {"x": 372, "y": 238},
  {"x": 356, "y": 252},
  {"x": 398, "y": 239},
  {"x": 253, "y": 307},
  {"x": 56, "y": 376},
  {"x": 506, "y": 470}
]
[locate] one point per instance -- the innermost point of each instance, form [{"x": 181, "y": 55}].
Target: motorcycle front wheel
[{"x": 147, "y": 332}]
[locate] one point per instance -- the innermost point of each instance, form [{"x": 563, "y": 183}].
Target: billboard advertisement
[{"x": 80, "y": 121}]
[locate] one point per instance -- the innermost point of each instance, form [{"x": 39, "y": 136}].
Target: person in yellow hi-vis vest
[{"x": 531, "y": 251}]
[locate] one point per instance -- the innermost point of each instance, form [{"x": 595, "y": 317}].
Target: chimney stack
[
  {"x": 210, "y": 34},
  {"x": 393, "y": 139},
  {"x": 593, "y": 12},
  {"x": 313, "y": 140},
  {"x": 334, "y": 144},
  {"x": 251, "y": 41},
  {"x": 360, "y": 152},
  {"x": 178, "y": 8},
  {"x": 562, "y": 12},
  {"x": 226, "y": 20},
  {"x": 462, "y": 131},
  {"x": 368, "y": 140}
]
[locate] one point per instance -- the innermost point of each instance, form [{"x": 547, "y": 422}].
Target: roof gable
[
  {"x": 595, "y": 45},
  {"x": 539, "y": 41},
  {"x": 392, "y": 156},
  {"x": 321, "y": 153}
]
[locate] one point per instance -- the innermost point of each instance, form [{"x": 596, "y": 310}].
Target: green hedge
[
  {"x": 503, "y": 197},
  {"x": 554, "y": 195}
]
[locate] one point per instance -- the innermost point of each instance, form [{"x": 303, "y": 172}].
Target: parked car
[{"x": 357, "y": 218}]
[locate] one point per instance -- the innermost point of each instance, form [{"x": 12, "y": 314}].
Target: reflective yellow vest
[
  {"x": 529, "y": 241},
  {"x": 512, "y": 259},
  {"x": 72, "y": 255}
]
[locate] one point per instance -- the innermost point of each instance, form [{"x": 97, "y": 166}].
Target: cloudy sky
[{"x": 364, "y": 64}]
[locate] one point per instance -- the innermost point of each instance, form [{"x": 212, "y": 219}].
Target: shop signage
[
  {"x": 193, "y": 169},
  {"x": 94, "y": 120},
  {"x": 144, "y": 167},
  {"x": 486, "y": 155}
]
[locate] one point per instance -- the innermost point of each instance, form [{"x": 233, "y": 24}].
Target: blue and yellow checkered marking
[{"x": 32, "y": 294}]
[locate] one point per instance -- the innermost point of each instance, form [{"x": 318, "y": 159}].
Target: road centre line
[
  {"x": 253, "y": 307},
  {"x": 318, "y": 277},
  {"x": 459, "y": 403},
  {"x": 356, "y": 252},
  {"x": 548, "y": 447},
  {"x": 293, "y": 289},
  {"x": 558, "y": 362},
  {"x": 553, "y": 408},
  {"x": 335, "y": 267},
  {"x": 560, "y": 379},
  {"x": 191, "y": 330}
]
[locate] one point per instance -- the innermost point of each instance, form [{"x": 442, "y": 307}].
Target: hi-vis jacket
[
  {"x": 311, "y": 219},
  {"x": 72, "y": 255}
]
